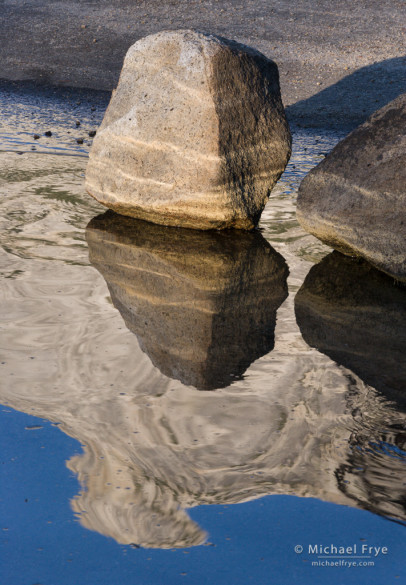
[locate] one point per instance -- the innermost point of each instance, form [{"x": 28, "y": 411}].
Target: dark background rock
[{"x": 355, "y": 199}]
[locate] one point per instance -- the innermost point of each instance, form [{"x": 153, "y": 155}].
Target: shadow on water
[
  {"x": 338, "y": 106},
  {"x": 356, "y": 315},
  {"x": 202, "y": 304}
]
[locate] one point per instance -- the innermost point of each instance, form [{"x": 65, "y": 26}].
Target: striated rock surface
[
  {"x": 203, "y": 305},
  {"x": 355, "y": 199},
  {"x": 195, "y": 134},
  {"x": 355, "y": 315}
]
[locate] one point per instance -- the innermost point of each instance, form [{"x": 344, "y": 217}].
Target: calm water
[{"x": 186, "y": 407}]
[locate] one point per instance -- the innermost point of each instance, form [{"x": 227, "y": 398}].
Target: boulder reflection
[
  {"x": 153, "y": 448},
  {"x": 357, "y": 316},
  {"x": 202, "y": 304}
]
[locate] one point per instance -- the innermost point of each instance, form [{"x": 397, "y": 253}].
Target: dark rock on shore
[
  {"x": 353, "y": 313},
  {"x": 355, "y": 199},
  {"x": 202, "y": 304}
]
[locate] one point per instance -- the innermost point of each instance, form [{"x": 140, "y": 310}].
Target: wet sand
[{"x": 338, "y": 62}]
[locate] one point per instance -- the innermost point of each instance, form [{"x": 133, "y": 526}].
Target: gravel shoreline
[{"x": 337, "y": 63}]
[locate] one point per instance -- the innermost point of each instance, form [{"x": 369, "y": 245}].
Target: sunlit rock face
[
  {"x": 357, "y": 316},
  {"x": 195, "y": 134},
  {"x": 203, "y": 305},
  {"x": 229, "y": 447}
]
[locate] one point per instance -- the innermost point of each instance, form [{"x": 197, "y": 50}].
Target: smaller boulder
[{"x": 355, "y": 199}]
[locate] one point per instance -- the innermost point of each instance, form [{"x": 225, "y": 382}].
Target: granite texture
[
  {"x": 355, "y": 199},
  {"x": 195, "y": 134}
]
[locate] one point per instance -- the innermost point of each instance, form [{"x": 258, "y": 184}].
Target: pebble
[
  {"x": 79, "y": 140},
  {"x": 48, "y": 133},
  {"x": 92, "y": 133},
  {"x": 37, "y": 136}
]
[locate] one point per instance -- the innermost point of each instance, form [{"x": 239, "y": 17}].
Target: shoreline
[{"x": 337, "y": 64}]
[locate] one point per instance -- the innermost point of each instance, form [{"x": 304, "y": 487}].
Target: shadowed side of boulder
[
  {"x": 203, "y": 305},
  {"x": 195, "y": 134},
  {"x": 355, "y": 199}
]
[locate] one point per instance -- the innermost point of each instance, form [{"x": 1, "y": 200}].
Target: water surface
[{"x": 170, "y": 371}]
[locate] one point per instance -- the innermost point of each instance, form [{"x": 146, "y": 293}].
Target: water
[{"x": 187, "y": 407}]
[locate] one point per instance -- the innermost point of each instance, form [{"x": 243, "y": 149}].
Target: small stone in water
[
  {"x": 77, "y": 123},
  {"x": 92, "y": 133},
  {"x": 48, "y": 133},
  {"x": 37, "y": 136},
  {"x": 79, "y": 140}
]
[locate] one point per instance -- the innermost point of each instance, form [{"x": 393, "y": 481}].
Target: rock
[
  {"x": 92, "y": 133},
  {"x": 195, "y": 134},
  {"x": 203, "y": 305},
  {"x": 36, "y": 136},
  {"x": 355, "y": 199},
  {"x": 48, "y": 133},
  {"x": 354, "y": 314},
  {"x": 79, "y": 140}
]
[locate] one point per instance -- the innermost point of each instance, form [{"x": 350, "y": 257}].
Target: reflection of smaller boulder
[
  {"x": 203, "y": 305},
  {"x": 357, "y": 316}
]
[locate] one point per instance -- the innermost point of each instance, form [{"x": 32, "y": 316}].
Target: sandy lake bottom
[{"x": 181, "y": 407}]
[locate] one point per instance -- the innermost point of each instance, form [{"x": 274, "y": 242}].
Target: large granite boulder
[
  {"x": 355, "y": 199},
  {"x": 203, "y": 305},
  {"x": 195, "y": 134}
]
